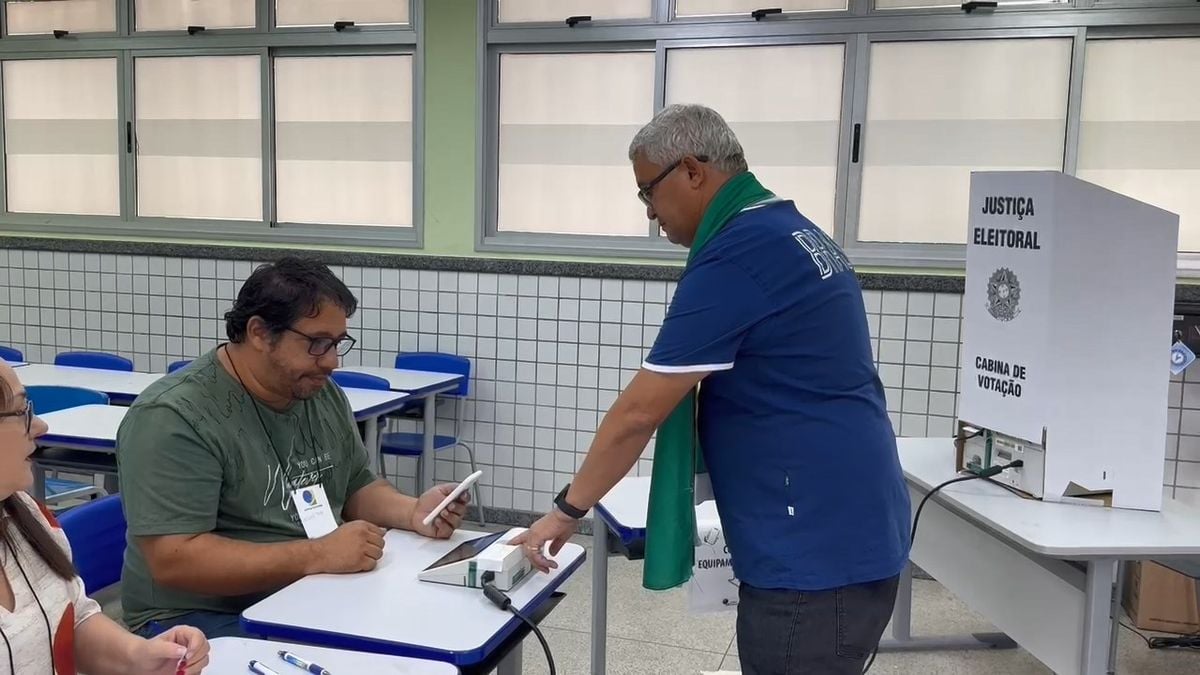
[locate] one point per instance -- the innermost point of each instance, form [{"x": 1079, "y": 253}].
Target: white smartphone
[{"x": 462, "y": 487}]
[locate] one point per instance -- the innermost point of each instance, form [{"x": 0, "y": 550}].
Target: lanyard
[{"x": 283, "y": 461}]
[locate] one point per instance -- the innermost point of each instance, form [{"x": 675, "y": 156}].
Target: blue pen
[
  {"x": 301, "y": 663},
  {"x": 260, "y": 669}
]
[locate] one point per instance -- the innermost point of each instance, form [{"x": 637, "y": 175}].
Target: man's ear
[
  {"x": 258, "y": 336},
  {"x": 696, "y": 171}
]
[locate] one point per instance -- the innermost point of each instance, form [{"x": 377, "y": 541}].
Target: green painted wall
[{"x": 451, "y": 45}]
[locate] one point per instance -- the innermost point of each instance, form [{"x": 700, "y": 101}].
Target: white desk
[
  {"x": 388, "y": 610},
  {"x": 368, "y": 406},
  {"x": 121, "y": 387},
  {"x": 232, "y": 656},
  {"x": 87, "y": 427},
  {"x": 1008, "y": 559},
  {"x": 91, "y": 428},
  {"x": 94, "y": 427},
  {"x": 420, "y": 383},
  {"x": 423, "y": 385}
]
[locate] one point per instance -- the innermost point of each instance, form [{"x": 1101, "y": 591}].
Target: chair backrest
[
  {"x": 11, "y": 355},
  {"x": 177, "y": 365},
  {"x": 97, "y": 360},
  {"x": 49, "y": 398},
  {"x": 96, "y": 531},
  {"x": 348, "y": 379},
  {"x": 438, "y": 362}
]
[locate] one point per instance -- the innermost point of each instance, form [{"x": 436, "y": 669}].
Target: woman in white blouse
[{"x": 48, "y": 625}]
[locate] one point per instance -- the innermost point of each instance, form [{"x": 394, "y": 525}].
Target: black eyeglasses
[
  {"x": 320, "y": 346},
  {"x": 27, "y": 413},
  {"x": 645, "y": 193}
]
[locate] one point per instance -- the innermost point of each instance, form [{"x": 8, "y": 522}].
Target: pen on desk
[
  {"x": 301, "y": 663},
  {"x": 260, "y": 669}
]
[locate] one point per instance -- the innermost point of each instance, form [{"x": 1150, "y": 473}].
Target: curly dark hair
[{"x": 281, "y": 292}]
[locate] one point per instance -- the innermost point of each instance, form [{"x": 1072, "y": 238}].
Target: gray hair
[{"x": 689, "y": 129}]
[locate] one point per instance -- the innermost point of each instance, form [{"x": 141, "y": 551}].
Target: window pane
[
  {"x": 563, "y": 148},
  {"x": 343, "y": 140},
  {"x": 199, "y": 137},
  {"x": 76, "y": 16},
  {"x": 60, "y": 136},
  {"x": 719, "y": 7},
  {"x": 1140, "y": 130},
  {"x": 293, "y": 13},
  {"x": 179, "y": 14},
  {"x": 957, "y": 4},
  {"x": 558, "y": 10},
  {"x": 784, "y": 103},
  {"x": 936, "y": 111}
]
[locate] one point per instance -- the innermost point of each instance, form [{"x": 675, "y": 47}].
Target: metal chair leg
[{"x": 475, "y": 487}]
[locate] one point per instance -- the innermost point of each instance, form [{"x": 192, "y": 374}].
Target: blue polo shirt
[{"x": 792, "y": 420}]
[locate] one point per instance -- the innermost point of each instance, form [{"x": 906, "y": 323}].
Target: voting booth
[{"x": 1067, "y": 324}]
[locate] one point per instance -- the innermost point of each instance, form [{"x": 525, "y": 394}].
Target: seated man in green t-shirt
[{"x": 211, "y": 456}]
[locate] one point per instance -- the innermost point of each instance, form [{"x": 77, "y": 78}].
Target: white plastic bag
[{"x": 712, "y": 588}]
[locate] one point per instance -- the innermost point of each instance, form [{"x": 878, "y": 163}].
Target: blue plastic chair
[
  {"x": 348, "y": 379},
  {"x": 178, "y": 365},
  {"x": 96, "y": 531},
  {"x": 11, "y": 355},
  {"x": 96, "y": 360},
  {"x": 411, "y": 444},
  {"x": 48, "y": 399}
]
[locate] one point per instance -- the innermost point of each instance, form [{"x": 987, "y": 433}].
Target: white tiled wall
[{"x": 550, "y": 353}]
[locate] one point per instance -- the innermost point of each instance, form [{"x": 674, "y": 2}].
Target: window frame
[
  {"x": 52, "y": 220},
  {"x": 1031, "y": 7},
  {"x": 924, "y": 254},
  {"x": 266, "y": 41},
  {"x": 859, "y": 26},
  {"x": 131, "y": 7},
  {"x": 123, "y": 9},
  {"x": 268, "y": 17},
  {"x": 853, "y": 8},
  {"x": 1187, "y": 263},
  {"x": 489, "y": 237},
  {"x": 418, "y": 141},
  {"x": 845, "y": 123},
  {"x": 491, "y": 8}
]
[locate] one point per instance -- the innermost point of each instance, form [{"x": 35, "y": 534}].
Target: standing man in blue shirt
[{"x": 791, "y": 414}]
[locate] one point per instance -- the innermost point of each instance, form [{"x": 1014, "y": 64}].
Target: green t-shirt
[{"x": 193, "y": 457}]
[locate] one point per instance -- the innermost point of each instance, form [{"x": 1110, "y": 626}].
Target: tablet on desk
[{"x": 466, "y": 550}]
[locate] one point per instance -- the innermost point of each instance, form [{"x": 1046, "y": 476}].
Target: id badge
[{"x": 315, "y": 513}]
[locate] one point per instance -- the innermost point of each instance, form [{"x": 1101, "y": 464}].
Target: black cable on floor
[
  {"x": 541, "y": 638},
  {"x": 1137, "y": 633},
  {"x": 501, "y": 600}
]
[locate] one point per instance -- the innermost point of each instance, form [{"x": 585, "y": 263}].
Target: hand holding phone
[{"x": 462, "y": 487}]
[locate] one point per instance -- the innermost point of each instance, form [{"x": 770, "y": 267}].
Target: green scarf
[{"x": 671, "y": 518}]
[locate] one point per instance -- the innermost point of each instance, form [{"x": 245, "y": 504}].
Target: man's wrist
[
  {"x": 558, "y": 513},
  {"x": 313, "y": 559},
  {"x": 565, "y": 507},
  {"x": 409, "y": 513}
]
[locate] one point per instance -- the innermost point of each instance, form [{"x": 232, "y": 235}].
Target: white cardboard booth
[{"x": 1067, "y": 324}]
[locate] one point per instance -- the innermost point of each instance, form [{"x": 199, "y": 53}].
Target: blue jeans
[
  {"x": 833, "y": 632},
  {"x": 212, "y": 624}
]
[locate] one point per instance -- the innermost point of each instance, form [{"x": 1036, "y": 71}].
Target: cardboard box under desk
[{"x": 1160, "y": 599}]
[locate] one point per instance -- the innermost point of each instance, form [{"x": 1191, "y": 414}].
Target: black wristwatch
[{"x": 561, "y": 503}]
